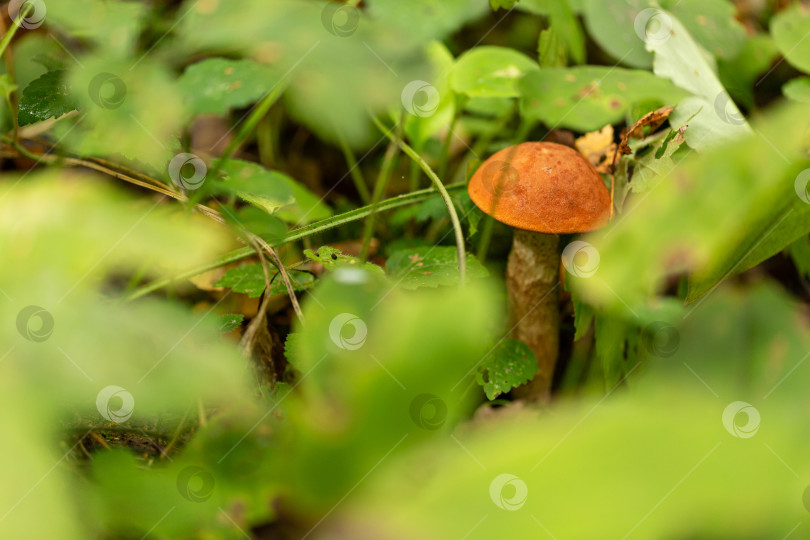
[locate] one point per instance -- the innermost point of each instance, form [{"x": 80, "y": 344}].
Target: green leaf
[
  {"x": 510, "y": 364},
  {"x": 49, "y": 62},
  {"x": 489, "y": 71},
  {"x": 611, "y": 24},
  {"x": 216, "y": 85},
  {"x": 790, "y": 28},
  {"x": 711, "y": 114},
  {"x": 797, "y": 89},
  {"x": 562, "y": 22},
  {"x": 230, "y": 321},
  {"x": 46, "y": 97},
  {"x": 249, "y": 279},
  {"x": 711, "y": 23},
  {"x": 618, "y": 26},
  {"x": 332, "y": 259},
  {"x": 587, "y": 98},
  {"x": 739, "y": 73},
  {"x": 550, "y": 50},
  {"x": 656, "y": 163},
  {"x": 430, "y": 266},
  {"x": 255, "y": 184}
]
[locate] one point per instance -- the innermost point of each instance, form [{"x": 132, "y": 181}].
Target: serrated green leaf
[
  {"x": 489, "y": 71},
  {"x": 510, "y": 364},
  {"x": 230, "y": 321},
  {"x": 587, "y": 98},
  {"x": 430, "y": 266},
  {"x": 255, "y": 184},
  {"x": 565, "y": 26},
  {"x": 249, "y": 279},
  {"x": 789, "y": 29},
  {"x": 332, "y": 259},
  {"x": 216, "y": 85},
  {"x": 46, "y": 97}
]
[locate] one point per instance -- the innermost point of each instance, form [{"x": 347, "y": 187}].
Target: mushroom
[{"x": 543, "y": 190}]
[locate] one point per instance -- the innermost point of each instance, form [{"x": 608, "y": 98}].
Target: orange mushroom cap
[{"x": 542, "y": 187}]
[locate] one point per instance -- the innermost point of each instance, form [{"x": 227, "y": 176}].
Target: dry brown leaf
[{"x": 596, "y": 146}]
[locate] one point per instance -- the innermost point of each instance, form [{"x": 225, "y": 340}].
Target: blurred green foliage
[{"x": 374, "y": 432}]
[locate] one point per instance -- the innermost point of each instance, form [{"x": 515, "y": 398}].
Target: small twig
[
  {"x": 164, "y": 452},
  {"x": 284, "y": 275},
  {"x": 247, "y": 341}
]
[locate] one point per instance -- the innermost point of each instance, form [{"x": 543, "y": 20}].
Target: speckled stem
[{"x": 532, "y": 279}]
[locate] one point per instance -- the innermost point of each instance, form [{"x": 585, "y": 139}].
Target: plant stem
[
  {"x": 437, "y": 183},
  {"x": 354, "y": 169},
  {"x": 486, "y": 236},
  {"x": 294, "y": 235},
  {"x": 379, "y": 190},
  {"x": 15, "y": 25},
  {"x": 253, "y": 118}
]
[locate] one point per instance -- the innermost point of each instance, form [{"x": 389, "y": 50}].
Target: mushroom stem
[{"x": 532, "y": 277}]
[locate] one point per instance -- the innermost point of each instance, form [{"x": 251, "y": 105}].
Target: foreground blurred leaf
[
  {"x": 707, "y": 216},
  {"x": 680, "y": 478},
  {"x": 789, "y": 28}
]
